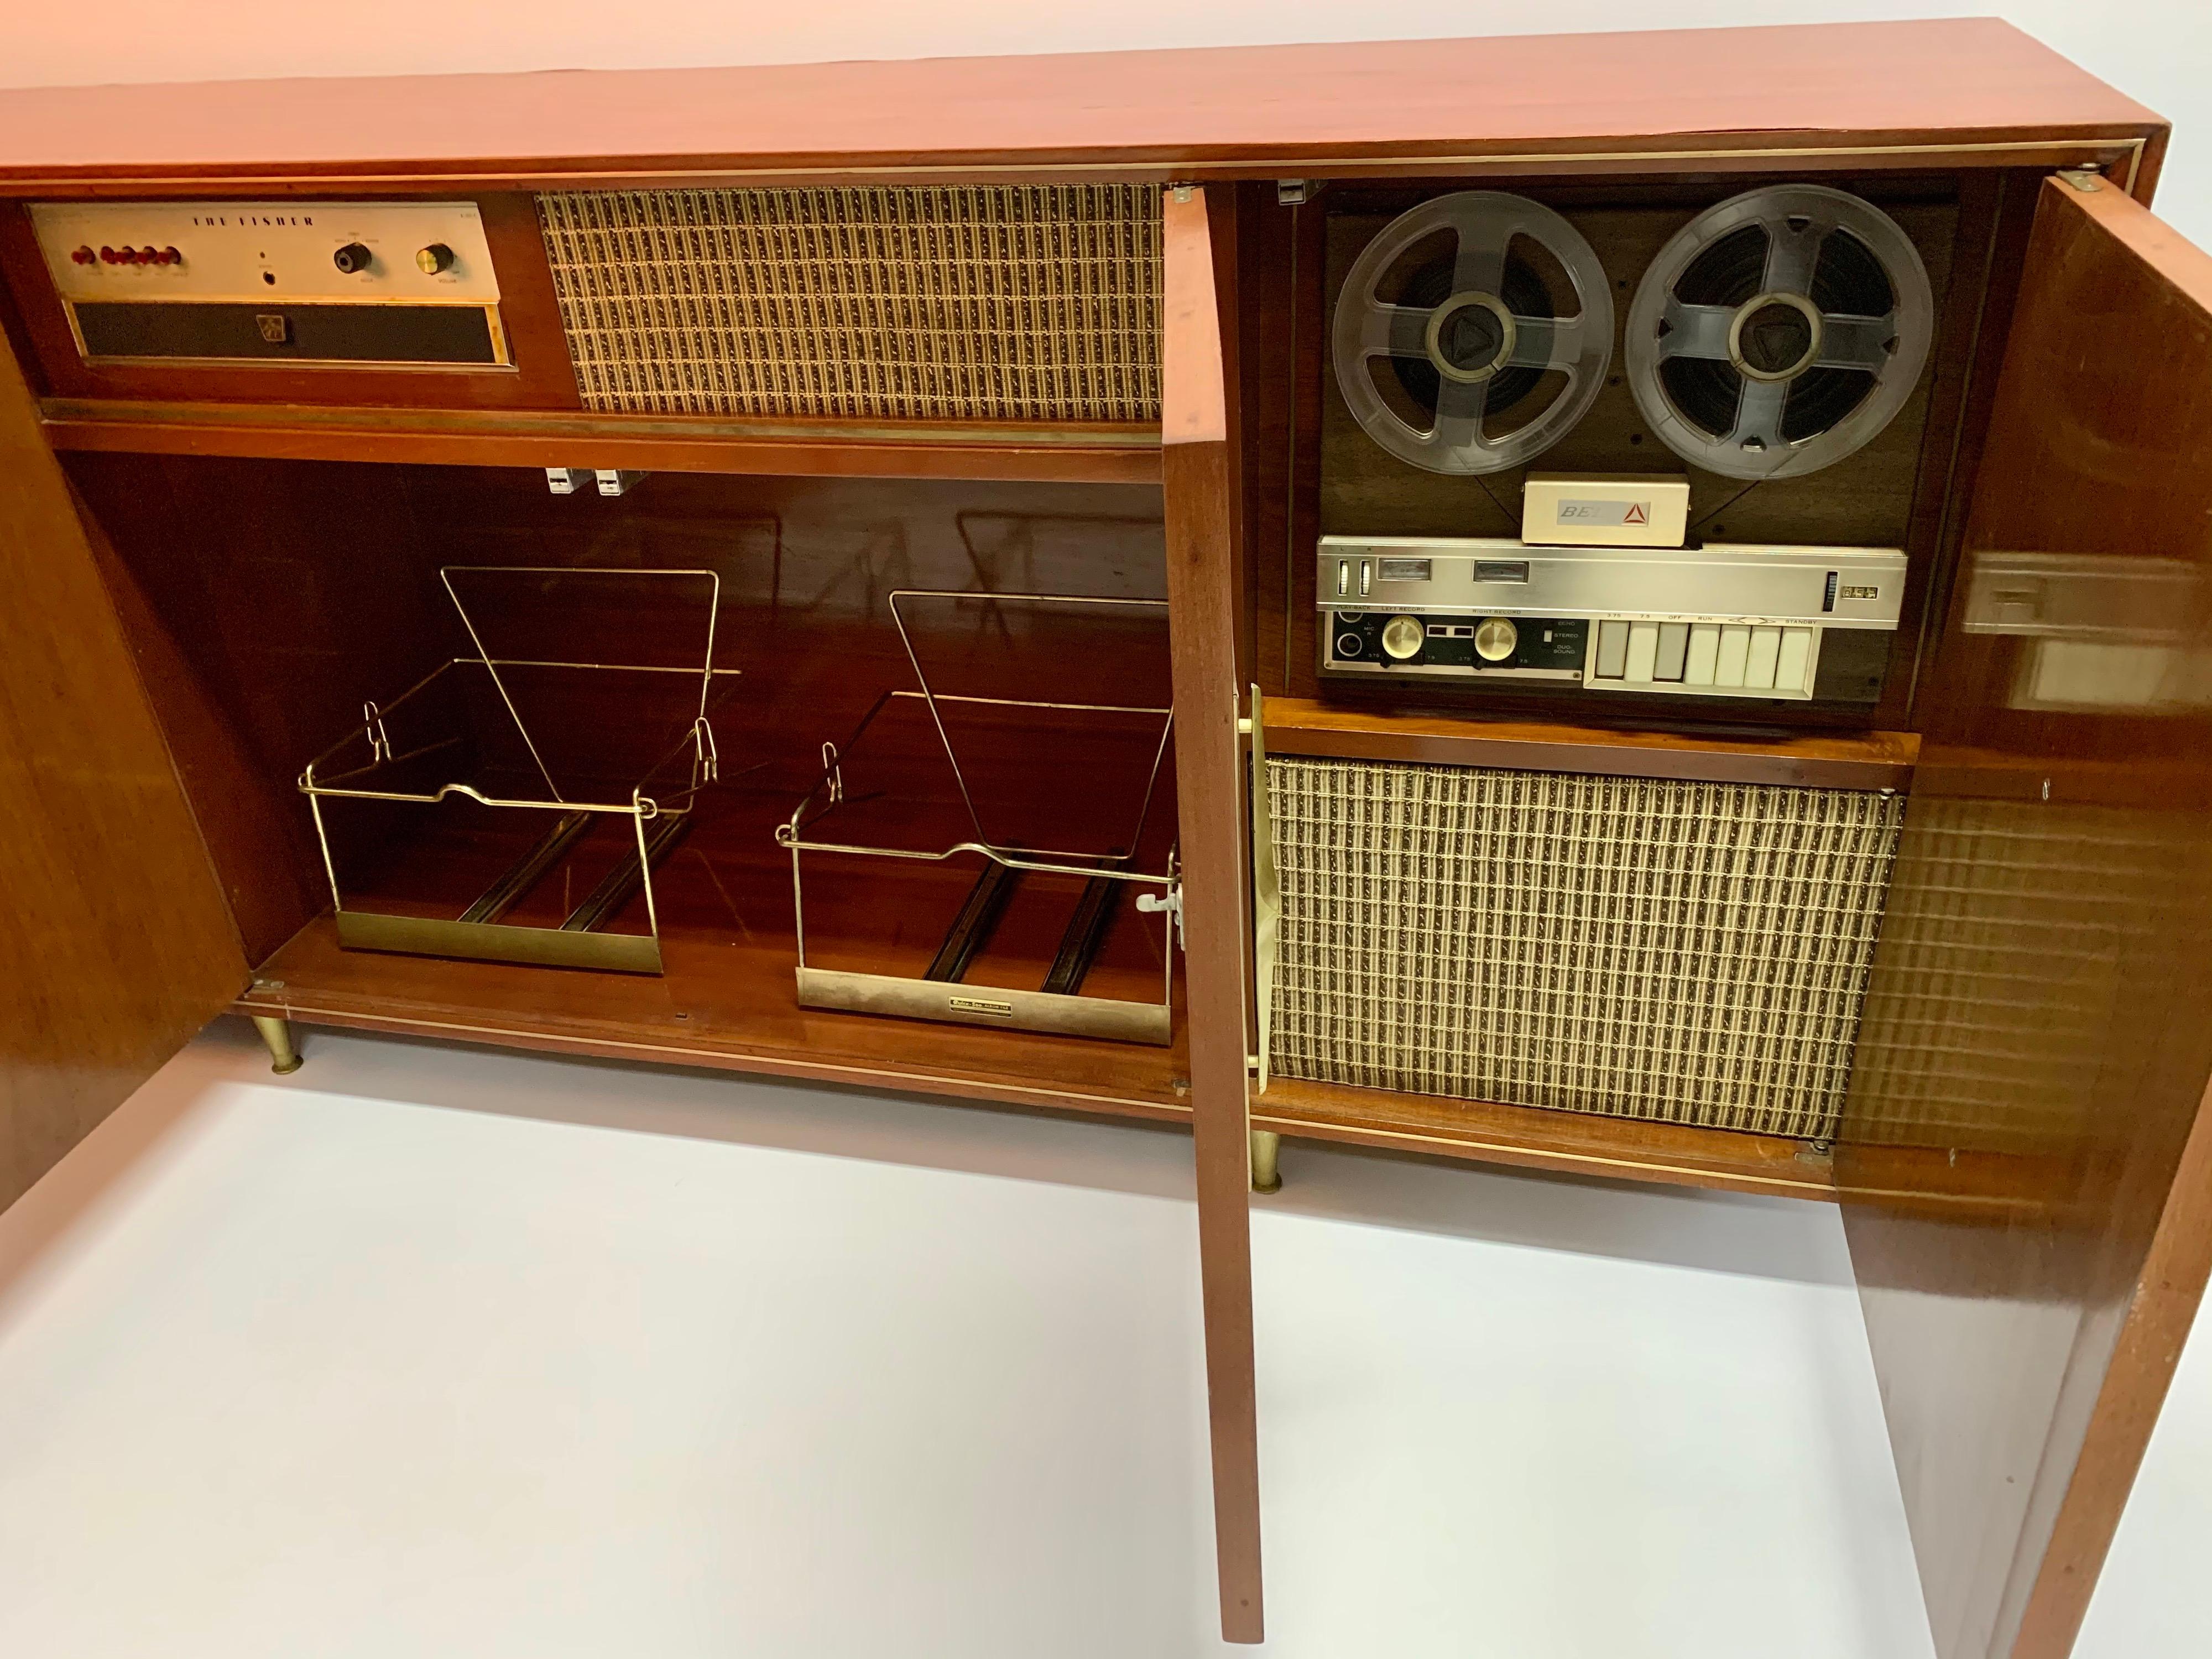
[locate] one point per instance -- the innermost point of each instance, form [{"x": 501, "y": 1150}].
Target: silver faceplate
[
  {"x": 1723, "y": 620},
  {"x": 1732, "y": 581}
]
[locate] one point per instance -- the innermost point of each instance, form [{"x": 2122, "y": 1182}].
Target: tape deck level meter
[{"x": 1791, "y": 624}]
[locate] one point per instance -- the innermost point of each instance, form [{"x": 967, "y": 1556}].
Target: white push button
[
  {"x": 1758, "y": 668},
  {"x": 1736, "y": 650},
  {"x": 1643, "y": 651},
  {"x": 1612, "y": 649},
  {"x": 1674, "y": 650},
  {"x": 1793, "y": 668},
  {"x": 1704, "y": 651}
]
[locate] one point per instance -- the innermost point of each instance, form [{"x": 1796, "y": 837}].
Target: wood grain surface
[
  {"x": 723, "y": 1005},
  {"x": 1799, "y": 91},
  {"x": 114, "y": 943},
  {"x": 1528, "y": 1137},
  {"x": 1871, "y": 760},
  {"x": 1063, "y": 452},
  {"x": 2039, "y": 997},
  {"x": 1200, "y": 484}
]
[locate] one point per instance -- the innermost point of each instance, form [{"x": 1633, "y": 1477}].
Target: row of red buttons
[{"x": 129, "y": 256}]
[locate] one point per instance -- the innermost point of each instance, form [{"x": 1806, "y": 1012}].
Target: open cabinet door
[
  {"x": 115, "y": 943},
  {"x": 2026, "y": 1158},
  {"x": 1210, "y": 645}
]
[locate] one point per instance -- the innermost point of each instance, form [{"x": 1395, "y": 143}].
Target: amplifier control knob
[
  {"x": 1495, "y": 639},
  {"x": 434, "y": 260},
  {"x": 1403, "y": 637},
  {"x": 352, "y": 258}
]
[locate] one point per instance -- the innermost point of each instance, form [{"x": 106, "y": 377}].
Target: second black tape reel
[{"x": 1774, "y": 334}]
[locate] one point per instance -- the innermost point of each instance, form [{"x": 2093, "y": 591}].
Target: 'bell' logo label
[{"x": 1605, "y": 512}]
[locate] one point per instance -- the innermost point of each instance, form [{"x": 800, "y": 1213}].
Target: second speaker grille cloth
[{"x": 1677, "y": 952}]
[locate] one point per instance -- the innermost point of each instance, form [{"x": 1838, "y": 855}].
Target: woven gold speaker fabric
[
  {"x": 1684, "y": 952},
  {"x": 986, "y": 303}
]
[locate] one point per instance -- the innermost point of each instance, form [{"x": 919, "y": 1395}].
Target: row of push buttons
[
  {"x": 1728, "y": 656},
  {"x": 128, "y": 256}
]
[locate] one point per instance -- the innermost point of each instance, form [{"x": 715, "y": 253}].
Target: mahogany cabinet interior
[{"x": 215, "y": 554}]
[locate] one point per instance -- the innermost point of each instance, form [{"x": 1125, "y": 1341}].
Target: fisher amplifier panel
[{"x": 369, "y": 283}]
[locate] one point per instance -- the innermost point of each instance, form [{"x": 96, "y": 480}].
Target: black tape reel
[
  {"x": 1779, "y": 331},
  {"x": 1473, "y": 332}
]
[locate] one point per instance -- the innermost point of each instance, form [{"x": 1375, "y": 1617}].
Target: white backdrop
[{"x": 2157, "y": 50}]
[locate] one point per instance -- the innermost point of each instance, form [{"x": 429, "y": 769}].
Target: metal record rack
[
  {"x": 438, "y": 742},
  {"x": 853, "y": 772}
]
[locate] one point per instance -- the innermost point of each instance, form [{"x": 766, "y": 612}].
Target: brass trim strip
[
  {"x": 501, "y": 363},
  {"x": 985, "y": 1005},
  {"x": 489, "y": 941},
  {"x": 1267, "y": 888},
  {"x": 2056, "y": 150}
]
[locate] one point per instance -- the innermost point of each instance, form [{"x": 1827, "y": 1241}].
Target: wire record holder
[
  {"x": 611, "y": 759},
  {"x": 928, "y": 773}
]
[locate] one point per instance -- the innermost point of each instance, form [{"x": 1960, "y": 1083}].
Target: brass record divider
[
  {"x": 1032, "y": 727},
  {"x": 437, "y": 742}
]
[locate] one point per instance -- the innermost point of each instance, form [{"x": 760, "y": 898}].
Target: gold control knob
[
  {"x": 1403, "y": 637},
  {"x": 434, "y": 260},
  {"x": 1495, "y": 639}
]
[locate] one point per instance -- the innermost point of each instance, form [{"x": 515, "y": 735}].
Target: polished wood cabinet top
[{"x": 1968, "y": 89}]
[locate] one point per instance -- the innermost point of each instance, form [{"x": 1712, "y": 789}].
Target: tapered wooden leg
[
  {"x": 1266, "y": 1161},
  {"x": 277, "y": 1034}
]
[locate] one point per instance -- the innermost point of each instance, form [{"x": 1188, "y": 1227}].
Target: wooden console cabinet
[{"x": 207, "y": 566}]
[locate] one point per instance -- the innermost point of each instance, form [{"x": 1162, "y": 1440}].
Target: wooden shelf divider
[
  {"x": 1029, "y": 452},
  {"x": 724, "y": 1004},
  {"x": 1868, "y": 760}
]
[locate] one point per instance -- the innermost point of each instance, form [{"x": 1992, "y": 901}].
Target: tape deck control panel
[{"x": 1773, "y": 623}]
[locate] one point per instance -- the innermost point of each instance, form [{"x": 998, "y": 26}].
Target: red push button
[{"x": 84, "y": 256}]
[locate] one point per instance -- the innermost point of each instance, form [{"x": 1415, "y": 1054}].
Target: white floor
[{"x": 426, "y": 1352}]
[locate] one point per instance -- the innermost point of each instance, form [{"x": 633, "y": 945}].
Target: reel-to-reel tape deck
[
  {"x": 1763, "y": 339},
  {"x": 1775, "y": 333}
]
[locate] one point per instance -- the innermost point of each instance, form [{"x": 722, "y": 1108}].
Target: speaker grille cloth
[
  {"x": 1677, "y": 951},
  {"x": 1017, "y": 303}
]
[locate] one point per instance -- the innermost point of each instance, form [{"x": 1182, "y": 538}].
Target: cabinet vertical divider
[{"x": 1205, "y": 621}]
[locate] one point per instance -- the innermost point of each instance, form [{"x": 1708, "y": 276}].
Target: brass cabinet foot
[
  {"x": 277, "y": 1034},
  {"x": 1267, "y": 1168}
]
